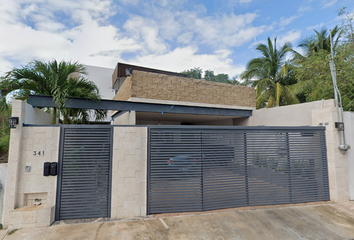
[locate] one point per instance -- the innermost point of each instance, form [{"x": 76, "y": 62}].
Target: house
[
  {"x": 146, "y": 85},
  {"x": 175, "y": 145}
]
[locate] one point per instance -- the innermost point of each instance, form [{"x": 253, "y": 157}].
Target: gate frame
[{"x": 60, "y": 166}]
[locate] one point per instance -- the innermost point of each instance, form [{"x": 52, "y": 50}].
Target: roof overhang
[{"x": 47, "y": 101}]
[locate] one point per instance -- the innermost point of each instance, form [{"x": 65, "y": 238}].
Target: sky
[{"x": 170, "y": 35}]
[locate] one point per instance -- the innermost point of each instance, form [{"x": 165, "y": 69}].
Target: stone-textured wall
[
  {"x": 22, "y": 186},
  {"x": 165, "y": 87},
  {"x": 129, "y": 164},
  {"x": 124, "y": 92},
  {"x": 37, "y": 145},
  {"x": 37, "y": 140}
]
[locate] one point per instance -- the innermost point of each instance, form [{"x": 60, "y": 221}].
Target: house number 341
[{"x": 38, "y": 153}]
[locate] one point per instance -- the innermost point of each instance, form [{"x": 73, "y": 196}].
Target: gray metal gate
[
  {"x": 198, "y": 169},
  {"x": 84, "y": 172}
]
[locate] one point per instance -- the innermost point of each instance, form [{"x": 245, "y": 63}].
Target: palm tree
[
  {"x": 321, "y": 41},
  {"x": 270, "y": 75},
  {"x": 60, "y": 80}
]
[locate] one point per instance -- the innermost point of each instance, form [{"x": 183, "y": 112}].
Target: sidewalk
[{"x": 321, "y": 221}]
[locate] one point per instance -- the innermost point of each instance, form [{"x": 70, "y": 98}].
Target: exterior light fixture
[{"x": 13, "y": 122}]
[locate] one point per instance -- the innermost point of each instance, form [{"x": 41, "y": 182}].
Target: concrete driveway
[{"x": 316, "y": 221}]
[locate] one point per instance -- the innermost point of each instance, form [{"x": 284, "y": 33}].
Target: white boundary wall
[
  {"x": 349, "y": 134},
  {"x": 129, "y": 163}
]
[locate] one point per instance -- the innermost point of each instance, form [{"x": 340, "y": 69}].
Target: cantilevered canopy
[{"x": 47, "y": 101}]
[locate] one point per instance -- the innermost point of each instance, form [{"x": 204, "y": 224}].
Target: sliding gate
[{"x": 198, "y": 169}]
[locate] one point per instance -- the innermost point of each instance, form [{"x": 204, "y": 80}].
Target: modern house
[
  {"x": 138, "y": 84},
  {"x": 175, "y": 145}
]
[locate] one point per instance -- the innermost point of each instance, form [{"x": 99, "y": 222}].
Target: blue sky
[{"x": 170, "y": 35}]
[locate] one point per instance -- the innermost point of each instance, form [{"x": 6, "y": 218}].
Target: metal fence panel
[
  {"x": 198, "y": 169},
  {"x": 85, "y": 173}
]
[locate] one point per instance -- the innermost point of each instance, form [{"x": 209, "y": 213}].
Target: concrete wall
[
  {"x": 3, "y": 170},
  {"x": 102, "y": 78},
  {"x": 36, "y": 116},
  {"x": 165, "y": 87},
  {"x": 129, "y": 172},
  {"x": 292, "y": 115},
  {"x": 337, "y": 160},
  {"x": 125, "y": 118},
  {"x": 349, "y": 134}
]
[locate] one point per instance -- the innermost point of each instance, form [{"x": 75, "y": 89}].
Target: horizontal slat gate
[
  {"x": 85, "y": 173},
  {"x": 206, "y": 169}
]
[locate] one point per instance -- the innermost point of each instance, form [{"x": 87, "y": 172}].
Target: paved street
[{"x": 313, "y": 221}]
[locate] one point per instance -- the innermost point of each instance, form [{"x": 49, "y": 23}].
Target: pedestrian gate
[
  {"x": 84, "y": 172},
  {"x": 197, "y": 169}
]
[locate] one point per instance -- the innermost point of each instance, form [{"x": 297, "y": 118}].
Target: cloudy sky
[{"x": 172, "y": 35}]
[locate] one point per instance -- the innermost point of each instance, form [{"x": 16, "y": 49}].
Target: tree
[
  {"x": 209, "y": 75},
  {"x": 271, "y": 76},
  {"x": 347, "y": 24},
  {"x": 321, "y": 41},
  {"x": 60, "y": 80},
  {"x": 195, "y": 73},
  {"x": 315, "y": 80},
  {"x": 5, "y": 113},
  {"x": 221, "y": 77}
]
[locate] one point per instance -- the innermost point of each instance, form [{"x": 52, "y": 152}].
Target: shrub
[{"x": 4, "y": 143}]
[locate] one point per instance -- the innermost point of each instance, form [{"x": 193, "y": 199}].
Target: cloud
[
  {"x": 328, "y": 3},
  {"x": 286, "y": 21},
  {"x": 290, "y": 36},
  {"x": 317, "y": 26},
  {"x": 304, "y": 9},
  {"x": 164, "y": 35},
  {"x": 186, "y": 58},
  {"x": 245, "y": 1},
  {"x": 44, "y": 32},
  {"x": 228, "y": 30}
]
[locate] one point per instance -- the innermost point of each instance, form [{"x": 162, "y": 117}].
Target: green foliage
[
  {"x": 4, "y": 143},
  {"x": 209, "y": 75},
  {"x": 5, "y": 113},
  {"x": 321, "y": 41},
  {"x": 222, "y": 77},
  {"x": 315, "y": 80},
  {"x": 271, "y": 75},
  {"x": 195, "y": 73},
  {"x": 61, "y": 80}
]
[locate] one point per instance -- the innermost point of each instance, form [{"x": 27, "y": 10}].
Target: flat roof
[
  {"x": 120, "y": 71},
  {"x": 123, "y": 66}
]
